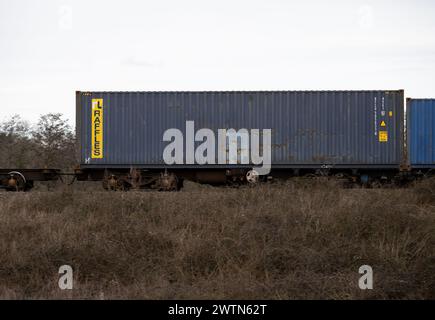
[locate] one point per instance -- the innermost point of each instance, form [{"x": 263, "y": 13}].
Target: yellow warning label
[
  {"x": 390, "y": 114},
  {"x": 383, "y": 136},
  {"x": 383, "y": 124},
  {"x": 97, "y": 129}
]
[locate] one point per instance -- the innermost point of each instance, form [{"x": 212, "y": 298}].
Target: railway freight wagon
[
  {"x": 157, "y": 139},
  {"x": 421, "y": 134}
]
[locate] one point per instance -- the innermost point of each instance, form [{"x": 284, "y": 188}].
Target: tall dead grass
[{"x": 299, "y": 240}]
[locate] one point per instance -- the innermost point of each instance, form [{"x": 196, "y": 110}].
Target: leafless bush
[{"x": 49, "y": 143}]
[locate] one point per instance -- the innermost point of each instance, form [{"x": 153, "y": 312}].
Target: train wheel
[
  {"x": 167, "y": 182},
  {"x": 16, "y": 181},
  {"x": 115, "y": 183},
  {"x": 376, "y": 184},
  {"x": 252, "y": 177}
]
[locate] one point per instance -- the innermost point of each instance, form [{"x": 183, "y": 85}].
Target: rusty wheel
[
  {"x": 115, "y": 183},
  {"x": 167, "y": 182},
  {"x": 16, "y": 181}
]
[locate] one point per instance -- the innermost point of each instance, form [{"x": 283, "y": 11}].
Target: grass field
[{"x": 298, "y": 240}]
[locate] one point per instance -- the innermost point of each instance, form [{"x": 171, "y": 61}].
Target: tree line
[{"x": 49, "y": 143}]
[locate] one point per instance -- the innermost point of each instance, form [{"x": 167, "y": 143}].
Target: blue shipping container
[
  {"x": 351, "y": 129},
  {"x": 421, "y": 132}
]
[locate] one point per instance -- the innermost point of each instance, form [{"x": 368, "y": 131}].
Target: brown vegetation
[
  {"x": 298, "y": 240},
  {"x": 48, "y": 143}
]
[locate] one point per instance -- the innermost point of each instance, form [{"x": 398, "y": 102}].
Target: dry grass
[{"x": 300, "y": 240}]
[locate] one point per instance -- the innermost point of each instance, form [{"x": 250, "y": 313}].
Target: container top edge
[{"x": 243, "y": 91}]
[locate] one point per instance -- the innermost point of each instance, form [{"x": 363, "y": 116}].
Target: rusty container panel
[
  {"x": 421, "y": 132},
  {"x": 309, "y": 128}
]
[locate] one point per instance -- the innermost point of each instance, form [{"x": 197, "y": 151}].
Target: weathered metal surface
[
  {"x": 309, "y": 128},
  {"x": 421, "y": 132}
]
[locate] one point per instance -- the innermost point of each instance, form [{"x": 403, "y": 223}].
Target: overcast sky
[{"x": 51, "y": 48}]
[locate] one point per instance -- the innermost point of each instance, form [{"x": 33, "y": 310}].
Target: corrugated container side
[
  {"x": 421, "y": 132},
  {"x": 309, "y": 128}
]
